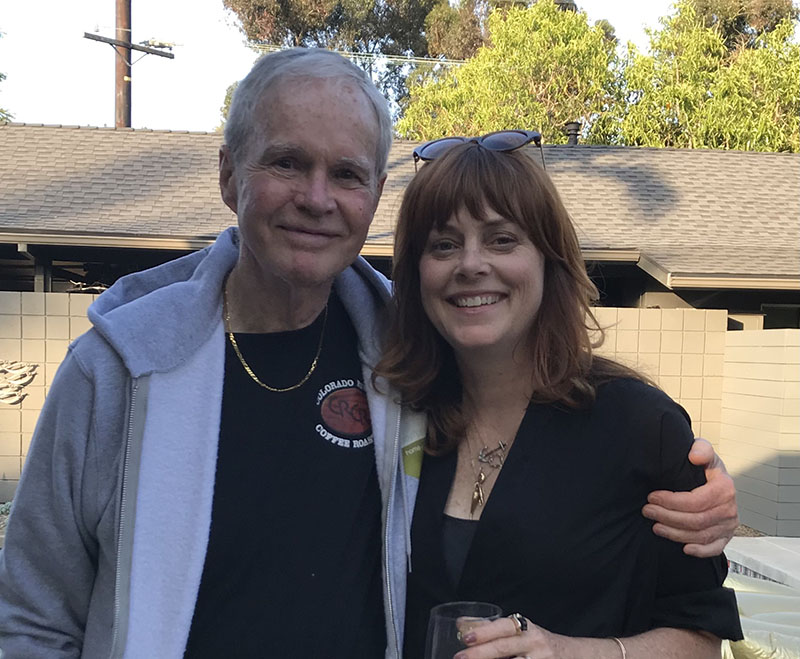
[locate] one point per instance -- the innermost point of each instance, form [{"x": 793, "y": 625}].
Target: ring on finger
[{"x": 520, "y": 622}]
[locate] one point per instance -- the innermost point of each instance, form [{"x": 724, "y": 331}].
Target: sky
[{"x": 56, "y": 76}]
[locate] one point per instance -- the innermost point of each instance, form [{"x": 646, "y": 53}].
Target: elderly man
[{"x": 213, "y": 473}]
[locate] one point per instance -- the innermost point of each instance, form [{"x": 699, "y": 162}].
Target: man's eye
[
  {"x": 349, "y": 175},
  {"x": 283, "y": 163}
]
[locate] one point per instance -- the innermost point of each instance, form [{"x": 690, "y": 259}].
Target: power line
[{"x": 263, "y": 47}]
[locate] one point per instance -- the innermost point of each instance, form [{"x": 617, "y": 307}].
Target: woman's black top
[{"x": 562, "y": 538}]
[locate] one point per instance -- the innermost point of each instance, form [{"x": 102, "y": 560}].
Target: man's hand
[{"x": 703, "y": 519}]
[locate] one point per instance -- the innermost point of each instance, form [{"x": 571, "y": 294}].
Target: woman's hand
[{"x": 503, "y": 638}]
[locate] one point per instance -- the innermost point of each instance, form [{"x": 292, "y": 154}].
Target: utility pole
[
  {"x": 123, "y": 47},
  {"x": 122, "y": 106}
]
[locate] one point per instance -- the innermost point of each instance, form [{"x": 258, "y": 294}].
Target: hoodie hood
[{"x": 142, "y": 314}]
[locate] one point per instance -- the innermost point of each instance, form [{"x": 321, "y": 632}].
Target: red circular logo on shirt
[{"x": 346, "y": 413}]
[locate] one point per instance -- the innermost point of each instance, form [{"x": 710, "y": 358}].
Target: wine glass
[{"x": 449, "y": 621}]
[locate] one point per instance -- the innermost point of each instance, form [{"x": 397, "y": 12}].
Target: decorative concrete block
[
  {"x": 79, "y": 303},
  {"x": 650, "y": 319},
  {"x": 672, "y": 319},
  {"x": 57, "y": 327},
  {"x": 691, "y": 387},
  {"x": 628, "y": 319},
  {"x": 694, "y": 342},
  {"x": 627, "y": 341},
  {"x": 715, "y": 343},
  {"x": 649, "y": 340},
  {"x": 713, "y": 365},
  {"x": 33, "y": 304},
  {"x": 606, "y": 316},
  {"x": 56, "y": 350},
  {"x": 10, "y": 326},
  {"x": 670, "y": 364},
  {"x": 10, "y": 444},
  {"x": 33, "y": 327},
  {"x": 10, "y": 420},
  {"x": 712, "y": 411},
  {"x": 9, "y": 302},
  {"x": 10, "y": 468},
  {"x": 712, "y": 388},
  {"x": 756, "y": 487},
  {"x": 34, "y": 397},
  {"x": 10, "y": 349},
  {"x": 694, "y": 320},
  {"x": 716, "y": 320},
  {"x": 56, "y": 304},
  {"x": 33, "y": 351},
  {"x": 671, "y": 342},
  {"x": 692, "y": 364},
  {"x": 649, "y": 364},
  {"x": 29, "y": 420}
]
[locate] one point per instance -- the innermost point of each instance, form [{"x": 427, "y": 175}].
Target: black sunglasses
[{"x": 501, "y": 140}]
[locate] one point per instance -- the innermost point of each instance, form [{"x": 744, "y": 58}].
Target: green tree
[
  {"x": 371, "y": 27},
  {"x": 4, "y": 114},
  {"x": 360, "y": 26},
  {"x": 692, "y": 91},
  {"x": 741, "y": 22},
  {"x": 226, "y": 105},
  {"x": 540, "y": 68},
  {"x": 453, "y": 32}
]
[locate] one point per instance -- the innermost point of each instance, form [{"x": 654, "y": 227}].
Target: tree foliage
[
  {"x": 4, "y": 114},
  {"x": 540, "y": 68},
  {"x": 454, "y": 32},
  {"x": 741, "y": 22},
  {"x": 692, "y": 91},
  {"x": 361, "y": 26}
]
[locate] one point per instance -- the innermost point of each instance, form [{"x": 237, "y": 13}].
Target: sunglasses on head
[{"x": 501, "y": 140}]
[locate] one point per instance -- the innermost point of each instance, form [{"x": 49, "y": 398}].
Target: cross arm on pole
[{"x": 125, "y": 44}]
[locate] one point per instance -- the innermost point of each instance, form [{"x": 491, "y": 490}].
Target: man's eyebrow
[
  {"x": 279, "y": 149},
  {"x": 357, "y": 163}
]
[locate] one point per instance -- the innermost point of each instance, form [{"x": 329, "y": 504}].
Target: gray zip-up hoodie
[{"x": 107, "y": 539}]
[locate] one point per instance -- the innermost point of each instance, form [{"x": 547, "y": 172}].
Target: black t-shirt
[{"x": 293, "y": 561}]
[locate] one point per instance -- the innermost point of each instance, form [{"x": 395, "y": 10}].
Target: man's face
[{"x": 305, "y": 188}]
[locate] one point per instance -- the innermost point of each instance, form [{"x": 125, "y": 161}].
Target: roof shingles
[{"x": 697, "y": 212}]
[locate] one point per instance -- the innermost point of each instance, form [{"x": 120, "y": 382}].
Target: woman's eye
[
  {"x": 442, "y": 246},
  {"x": 505, "y": 240}
]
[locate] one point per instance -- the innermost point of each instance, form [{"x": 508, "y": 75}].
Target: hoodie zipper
[
  {"x": 122, "y": 510},
  {"x": 389, "y": 500}
]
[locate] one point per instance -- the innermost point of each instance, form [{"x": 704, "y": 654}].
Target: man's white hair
[{"x": 273, "y": 68}]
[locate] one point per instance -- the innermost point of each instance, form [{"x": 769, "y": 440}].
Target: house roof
[{"x": 691, "y": 218}]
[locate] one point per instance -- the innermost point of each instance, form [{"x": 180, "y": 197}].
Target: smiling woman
[{"x": 539, "y": 454}]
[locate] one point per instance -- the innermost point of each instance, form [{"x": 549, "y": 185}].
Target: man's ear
[
  {"x": 379, "y": 191},
  {"x": 227, "y": 178}
]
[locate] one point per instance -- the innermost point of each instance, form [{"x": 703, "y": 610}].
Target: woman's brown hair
[{"x": 418, "y": 361}]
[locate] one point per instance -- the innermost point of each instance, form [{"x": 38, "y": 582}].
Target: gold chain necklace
[
  {"x": 493, "y": 458},
  {"x": 279, "y": 390}
]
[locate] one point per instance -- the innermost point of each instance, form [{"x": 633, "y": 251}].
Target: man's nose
[{"x": 316, "y": 194}]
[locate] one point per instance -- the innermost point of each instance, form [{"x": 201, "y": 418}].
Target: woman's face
[{"x": 481, "y": 283}]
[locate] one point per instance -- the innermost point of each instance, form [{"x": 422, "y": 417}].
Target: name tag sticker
[{"x": 412, "y": 458}]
